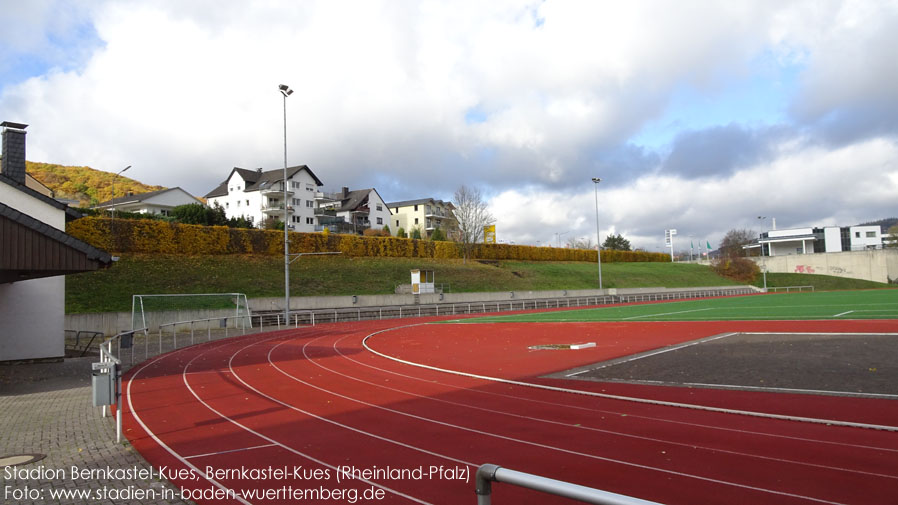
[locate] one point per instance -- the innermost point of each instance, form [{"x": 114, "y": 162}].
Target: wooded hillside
[{"x": 84, "y": 184}]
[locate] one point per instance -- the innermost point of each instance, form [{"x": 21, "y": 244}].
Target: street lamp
[
  {"x": 596, "y": 182},
  {"x": 112, "y": 224},
  {"x": 286, "y": 91}
]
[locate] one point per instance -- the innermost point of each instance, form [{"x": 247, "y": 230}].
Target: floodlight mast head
[
  {"x": 285, "y": 90},
  {"x": 596, "y": 180}
]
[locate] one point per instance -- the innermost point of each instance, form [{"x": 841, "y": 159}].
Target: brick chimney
[
  {"x": 345, "y": 192},
  {"x": 13, "y": 163}
]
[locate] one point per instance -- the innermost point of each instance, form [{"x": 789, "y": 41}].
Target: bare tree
[
  {"x": 731, "y": 245},
  {"x": 580, "y": 243},
  {"x": 472, "y": 215}
]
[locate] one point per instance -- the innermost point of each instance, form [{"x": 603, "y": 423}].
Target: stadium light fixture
[
  {"x": 596, "y": 182},
  {"x": 286, "y": 91}
]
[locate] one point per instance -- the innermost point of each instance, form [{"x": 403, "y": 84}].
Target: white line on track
[
  {"x": 275, "y": 442},
  {"x": 230, "y": 451},
  {"x": 612, "y": 412},
  {"x": 598, "y": 430},
  {"x": 790, "y": 390},
  {"x": 546, "y": 446},
  {"x": 659, "y": 351},
  {"x": 165, "y": 446},
  {"x": 667, "y": 313},
  {"x": 767, "y": 415},
  {"x": 843, "y": 313}
]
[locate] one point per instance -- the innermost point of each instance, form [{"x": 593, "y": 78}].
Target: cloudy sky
[{"x": 697, "y": 115}]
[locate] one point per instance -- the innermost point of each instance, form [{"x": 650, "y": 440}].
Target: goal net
[{"x": 151, "y": 311}]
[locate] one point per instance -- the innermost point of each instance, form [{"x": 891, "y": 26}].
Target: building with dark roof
[
  {"x": 160, "y": 202},
  {"x": 257, "y": 195},
  {"x": 351, "y": 211},
  {"x": 35, "y": 256}
]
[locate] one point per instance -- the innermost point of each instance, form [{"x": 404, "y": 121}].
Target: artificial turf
[{"x": 834, "y": 305}]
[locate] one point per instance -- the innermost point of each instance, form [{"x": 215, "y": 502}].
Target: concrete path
[{"x": 46, "y": 409}]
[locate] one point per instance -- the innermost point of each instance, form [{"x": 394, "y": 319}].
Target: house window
[
  {"x": 247, "y": 203},
  {"x": 238, "y": 203},
  {"x": 396, "y": 211},
  {"x": 397, "y": 223},
  {"x": 310, "y": 220},
  {"x": 296, "y": 201},
  {"x": 416, "y": 208},
  {"x": 380, "y": 220},
  {"x": 227, "y": 204},
  {"x": 416, "y": 219},
  {"x": 857, "y": 234},
  {"x": 871, "y": 234},
  {"x": 310, "y": 203},
  {"x": 380, "y": 207}
]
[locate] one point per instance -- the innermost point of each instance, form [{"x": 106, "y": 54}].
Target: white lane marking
[
  {"x": 667, "y": 313},
  {"x": 843, "y": 313},
  {"x": 229, "y": 451},
  {"x": 162, "y": 444},
  {"x": 766, "y": 415},
  {"x": 594, "y": 429},
  {"x": 612, "y": 412},
  {"x": 543, "y": 446}
]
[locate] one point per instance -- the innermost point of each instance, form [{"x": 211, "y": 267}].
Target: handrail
[
  {"x": 489, "y": 473},
  {"x": 111, "y": 363}
]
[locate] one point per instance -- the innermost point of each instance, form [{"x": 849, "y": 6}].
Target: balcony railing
[
  {"x": 275, "y": 189},
  {"x": 274, "y": 208}
]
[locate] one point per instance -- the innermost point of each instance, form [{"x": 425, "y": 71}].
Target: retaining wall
[
  {"x": 111, "y": 323},
  {"x": 879, "y": 265}
]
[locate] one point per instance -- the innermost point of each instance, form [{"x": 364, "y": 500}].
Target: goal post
[{"x": 151, "y": 310}]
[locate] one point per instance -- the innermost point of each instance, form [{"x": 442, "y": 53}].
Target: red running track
[{"x": 282, "y": 412}]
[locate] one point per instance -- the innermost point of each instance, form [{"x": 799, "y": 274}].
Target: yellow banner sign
[{"x": 489, "y": 234}]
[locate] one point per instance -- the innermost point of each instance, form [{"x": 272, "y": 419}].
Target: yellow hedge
[{"x": 150, "y": 236}]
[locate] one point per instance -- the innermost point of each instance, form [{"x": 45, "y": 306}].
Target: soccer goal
[{"x": 151, "y": 311}]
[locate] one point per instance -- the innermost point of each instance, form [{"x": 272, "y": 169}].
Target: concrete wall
[
  {"x": 111, "y": 323},
  {"x": 872, "y": 265},
  {"x": 31, "y": 319}
]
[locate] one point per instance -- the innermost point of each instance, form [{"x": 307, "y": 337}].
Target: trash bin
[
  {"x": 103, "y": 386},
  {"x": 126, "y": 340}
]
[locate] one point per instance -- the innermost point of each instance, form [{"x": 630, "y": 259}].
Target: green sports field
[{"x": 835, "y": 305}]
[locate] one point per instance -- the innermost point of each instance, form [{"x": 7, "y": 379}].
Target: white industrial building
[{"x": 818, "y": 240}]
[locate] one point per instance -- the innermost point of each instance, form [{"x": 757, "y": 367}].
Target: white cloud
[
  {"x": 522, "y": 98},
  {"x": 802, "y": 186}
]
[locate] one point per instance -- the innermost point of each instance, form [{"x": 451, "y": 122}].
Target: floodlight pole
[
  {"x": 596, "y": 182},
  {"x": 112, "y": 223},
  {"x": 286, "y": 91}
]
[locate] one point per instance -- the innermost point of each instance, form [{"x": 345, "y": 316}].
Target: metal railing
[
  {"x": 789, "y": 289},
  {"x": 75, "y": 338},
  {"x": 488, "y": 473},
  {"x": 317, "y": 316},
  {"x": 111, "y": 364},
  {"x": 135, "y": 346}
]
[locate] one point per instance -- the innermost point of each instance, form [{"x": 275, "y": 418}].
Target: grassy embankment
[{"x": 263, "y": 276}]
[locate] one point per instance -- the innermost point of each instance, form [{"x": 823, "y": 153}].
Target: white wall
[
  {"x": 832, "y": 235},
  {"x": 32, "y": 314},
  {"x": 30, "y": 205},
  {"x": 863, "y": 241}
]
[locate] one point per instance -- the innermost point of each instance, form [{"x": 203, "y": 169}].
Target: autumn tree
[{"x": 732, "y": 244}]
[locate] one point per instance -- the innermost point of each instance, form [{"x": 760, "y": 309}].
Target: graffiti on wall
[{"x": 804, "y": 269}]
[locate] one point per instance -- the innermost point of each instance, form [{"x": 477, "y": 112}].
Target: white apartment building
[
  {"x": 426, "y": 214},
  {"x": 352, "y": 211},
  {"x": 257, "y": 195},
  {"x": 818, "y": 240}
]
